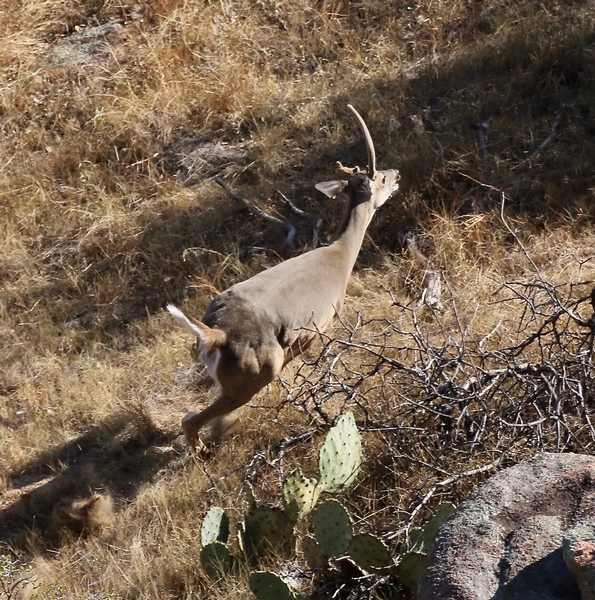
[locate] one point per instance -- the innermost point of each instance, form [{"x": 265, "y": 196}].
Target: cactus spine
[
  {"x": 300, "y": 494},
  {"x": 340, "y": 457},
  {"x": 332, "y": 528}
]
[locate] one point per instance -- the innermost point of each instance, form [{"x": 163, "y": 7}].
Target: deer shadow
[{"x": 116, "y": 456}]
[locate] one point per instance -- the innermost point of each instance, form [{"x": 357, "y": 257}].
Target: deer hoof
[{"x": 191, "y": 434}]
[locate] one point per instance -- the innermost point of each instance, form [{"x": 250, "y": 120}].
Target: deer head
[{"x": 381, "y": 185}]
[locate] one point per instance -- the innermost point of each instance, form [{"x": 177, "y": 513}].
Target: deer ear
[{"x": 331, "y": 188}]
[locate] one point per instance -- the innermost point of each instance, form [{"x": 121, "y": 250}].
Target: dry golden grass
[{"x": 93, "y": 234}]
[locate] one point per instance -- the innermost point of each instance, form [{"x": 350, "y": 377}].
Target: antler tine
[
  {"x": 348, "y": 170},
  {"x": 369, "y": 143}
]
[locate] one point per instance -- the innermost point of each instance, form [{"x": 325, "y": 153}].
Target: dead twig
[
  {"x": 317, "y": 222},
  {"x": 443, "y": 409},
  {"x": 553, "y": 132},
  {"x": 255, "y": 210},
  {"x": 482, "y": 133}
]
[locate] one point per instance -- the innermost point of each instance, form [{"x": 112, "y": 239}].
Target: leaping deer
[{"x": 252, "y": 330}]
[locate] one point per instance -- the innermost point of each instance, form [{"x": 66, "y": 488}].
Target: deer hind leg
[
  {"x": 193, "y": 422},
  {"x": 221, "y": 426},
  {"x": 238, "y": 384}
]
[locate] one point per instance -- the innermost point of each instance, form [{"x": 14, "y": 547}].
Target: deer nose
[{"x": 395, "y": 185}]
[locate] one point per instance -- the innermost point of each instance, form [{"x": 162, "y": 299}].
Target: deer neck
[{"x": 357, "y": 218}]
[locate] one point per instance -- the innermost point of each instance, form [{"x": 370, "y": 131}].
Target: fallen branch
[
  {"x": 304, "y": 215},
  {"x": 255, "y": 210},
  {"x": 482, "y": 132},
  {"x": 553, "y": 132},
  {"x": 432, "y": 295}
]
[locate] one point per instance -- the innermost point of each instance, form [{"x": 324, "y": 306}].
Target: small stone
[{"x": 579, "y": 556}]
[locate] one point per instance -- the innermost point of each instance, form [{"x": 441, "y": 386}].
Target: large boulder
[{"x": 506, "y": 541}]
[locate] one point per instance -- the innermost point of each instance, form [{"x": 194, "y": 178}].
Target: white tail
[
  {"x": 207, "y": 337},
  {"x": 253, "y": 329},
  {"x": 184, "y": 321}
]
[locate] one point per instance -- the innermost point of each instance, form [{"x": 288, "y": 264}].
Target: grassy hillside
[{"x": 108, "y": 211}]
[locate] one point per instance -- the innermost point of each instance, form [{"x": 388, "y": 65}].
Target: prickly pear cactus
[
  {"x": 340, "y": 456},
  {"x": 216, "y": 560},
  {"x": 314, "y": 557},
  {"x": 300, "y": 495},
  {"x": 433, "y": 525},
  {"x": 332, "y": 528},
  {"x": 369, "y": 553},
  {"x": 215, "y": 527},
  {"x": 267, "y": 530},
  {"x": 421, "y": 537},
  {"x": 417, "y": 541},
  {"x": 413, "y": 555},
  {"x": 410, "y": 569},
  {"x": 269, "y": 586}
]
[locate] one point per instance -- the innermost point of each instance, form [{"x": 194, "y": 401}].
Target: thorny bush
[{"x": 449, "y": 408}]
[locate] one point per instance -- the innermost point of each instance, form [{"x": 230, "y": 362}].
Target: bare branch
[
  {"x": 317, "y": 222},
  {"x": 298, "y": 211},
  {"x": 255, "y": 210},
  {"x": 482, "y": 132},
  {"x": 554, "y": 131}
]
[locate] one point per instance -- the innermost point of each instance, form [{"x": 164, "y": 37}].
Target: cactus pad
[
  {"x": 369, "y": 553},
  {"x": 421, "y": 537},
  {"x": 267, "y": 530},
  {"x": 312, "y": 553},
  {"x": 340, "y": 456},
  {"x": 215, "y": 527},
  {"x": 300, "y": 495},
  {"x": 269, "y": 586},
  {"x": 410, "y": 569},
  {"x": 433, "y": 525},
  {"x": 417, "y": 541},
  {"x": 332, "y": 527},
  {"x": 216, "y": 560}
]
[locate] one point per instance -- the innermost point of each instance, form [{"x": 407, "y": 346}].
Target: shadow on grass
[
  {"x": 533, "y": 94},
  {"x": 534, "y": 86},
  {"x": 115, "y": 456}
]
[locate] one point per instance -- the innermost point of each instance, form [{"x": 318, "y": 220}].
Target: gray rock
[
  {"x": 89, "y": 45},
  {"x": 579, "y": 547},
  {"x": 193, "y": 160},
  {"x": 505, "y": 542}
]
